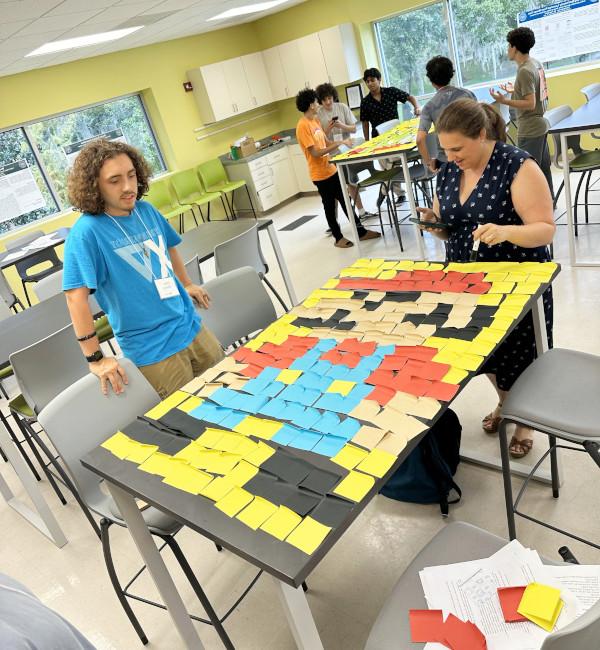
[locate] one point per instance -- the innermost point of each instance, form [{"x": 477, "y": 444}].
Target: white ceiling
[{"x": 27, "y": 24}]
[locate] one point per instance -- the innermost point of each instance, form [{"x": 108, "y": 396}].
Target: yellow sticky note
[
  {"x": 257, "y": 512},
  {"x": 167, "y": 404},
  {"x": 341, "y": 386},
  {"x": 517, "y": 276},
  {"x": 501, "y": 287},
  {"x": 258, "y": 427},
  {"x": 188, "y": 479},
  {"x": 482, "y": 348},
  {"x": 258, "y": 455},
  {"x": 308, "y": 535},
  {"x": 446, "y": 356},
  {"x": 488, "y": 334},
  {"x": 118, "y": 444},
  {"x": 468, "y": 361},
  {"x": 457, "y": 345},
  {"x": 435, "y": 342},
  {"x": 241, "y": 473},
  {"x": 288, "y": 376},
  {"x": 349, "y": 456},
  {"x": 228, "y": 442},
  {"x": 210, "y": 437},
  {"x": 541, "y": 604},
  {"x": 331, "y": 284},
  {"x": 281, "y": 523},
  {"x": 190, "y": 404},
  {"x": 489, "y": 299},
  {"x": 254, "y": 344},
  {"x": 217, "y": 489},
  {"x": 495, "y": 276},
  {"x": 216, "y": 462},
  {"x": 515, "y": 300},
  {"x": 435, "y": 266},
  {"x": 234, "y": 501},
  {"x": 355, "y": 486},
  {"x": 157, "y": 464},
  {"x": 501, "y": 324},
  {"x": 527, "y": 288},
  {"x": 139, "y": 452},
  {"x": 387, "y": 275},
  {"x": 455, "y": 376},
  {"x": 421, "y": 266},
  {"x": 377, "y": 463}
]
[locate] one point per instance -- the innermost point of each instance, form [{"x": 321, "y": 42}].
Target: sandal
[
  {"x": 520, "y": 448},
  {"x": 491, "y": 422},
  {"x": 343, "y": 243}
]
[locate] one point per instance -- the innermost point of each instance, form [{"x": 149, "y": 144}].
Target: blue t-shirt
[{"x": 108, "y": 255}]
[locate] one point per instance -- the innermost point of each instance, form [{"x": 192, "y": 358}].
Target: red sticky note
[
  {"x": 381, "y": 395},
  {"x": 421, "y": 352},
  {"x": 474, "y": 278},
  {"x": 403, "y": 275},
  {"x": 436, "y": 275},
  {"x": 480, "y": 287},
  {"x": 240, "y": 354},
  {"x": 251, "y": 371},
  {"x": 413, "y": 366},
  {"x": 459, "y": 635},
  {"x": 392, "y": 362},
  {"x": 454, "y": 276},
  {"x": 426, "y": 625},
  {"x": 423, "y": 285},
  {"x": 458, "y": 287},
  {"x": 412, "y": 385},
  {"x": 381, "y": 378},
  {"x": 432, "y": 370},
  {"x": 510, "y": 598},
  {"x": 351, "y": 359},
  {"x": 442, "y": 391}
]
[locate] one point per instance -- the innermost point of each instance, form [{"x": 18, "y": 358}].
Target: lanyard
[{"x": 147, "y": 263}]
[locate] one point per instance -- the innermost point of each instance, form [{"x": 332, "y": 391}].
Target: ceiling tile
[
  {"x": 73, "y": 6},
  {"x": 26, "y": 9},
  {"x": 50, "y": 23},
  {"x": 27, "y": 43},
  {"x": 123, "y": 12},
  {"x": 8, "y": 29}
]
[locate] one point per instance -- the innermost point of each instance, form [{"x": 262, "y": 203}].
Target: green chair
[
  {"x": 189, "y": 190},
  {"x": 159, "y": 195},
  {"x": 213, "y": 177}
]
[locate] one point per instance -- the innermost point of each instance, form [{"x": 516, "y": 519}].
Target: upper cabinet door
[
  {"x": 340, "y": 51},
  {"x": 258, "y": 81},
  {"x": 237, "y": 83},
  {"x": 275, "y": 74},
  {"x": 295, "y": 77},
  {"x": 313, "y": 63},
  {"x": 215, "y": 93}
]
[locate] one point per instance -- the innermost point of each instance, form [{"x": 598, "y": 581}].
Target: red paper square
[
  {"x": 426, "y": 625},
  {"x": 463, "y": 636},
  {"x": 442, "y": 391},
  {"x": 481, "y": 287},
  {"x": 432, "y": 370},
  {"x": 474, "y": 278},
  {"x": 381, "y": 395},
  {"x": 510, "y": 599},
  {"x": 251, "y": 371},
  {"x": 392, "y": 362}
]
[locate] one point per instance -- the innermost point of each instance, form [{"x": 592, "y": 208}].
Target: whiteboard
[
  {"x": 563, "y": 29},
  {"x": 19, "y": 192}
]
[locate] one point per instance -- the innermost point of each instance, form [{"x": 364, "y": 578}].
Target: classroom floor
[{"x": 350, "y": 585}]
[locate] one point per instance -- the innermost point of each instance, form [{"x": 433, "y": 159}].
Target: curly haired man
[{"x": 123, "y": 250}]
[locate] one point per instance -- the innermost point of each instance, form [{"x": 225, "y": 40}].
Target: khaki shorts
[{"x": 172, "y": 373}]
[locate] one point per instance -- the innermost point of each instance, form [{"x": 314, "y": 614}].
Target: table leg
[
  {"x": 287, "y": 280},
  {"x": 160, "y": 575},
  {"x": 299, "y": 616},
  {"x": 412, "y": 202},
  {"x": 567, "y": 194},
  {"x": 43, "y": 519}
]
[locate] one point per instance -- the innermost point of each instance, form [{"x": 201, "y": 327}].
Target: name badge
[{"x": 166, "y": 287}]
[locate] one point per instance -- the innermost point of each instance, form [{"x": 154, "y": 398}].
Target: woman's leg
[{"x": 521, "y": 433}]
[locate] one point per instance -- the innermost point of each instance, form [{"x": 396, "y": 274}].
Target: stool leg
[
  {"x": 554, "y": 466},
  {"x": 508, "y": 494}
]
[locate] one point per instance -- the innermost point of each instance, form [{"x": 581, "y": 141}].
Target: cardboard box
[{"x": 247, "y": 148}]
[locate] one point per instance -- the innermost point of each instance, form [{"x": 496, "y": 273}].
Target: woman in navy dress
[{"x": 495, "y": 193}]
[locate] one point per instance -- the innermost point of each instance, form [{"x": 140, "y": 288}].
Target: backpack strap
[{"x": 440, "y": 473}]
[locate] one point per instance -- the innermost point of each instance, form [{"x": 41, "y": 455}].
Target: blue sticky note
[
  {"x": 269, "y": 373},
  {"x": 349, "y": 404},
  {"x": 369, "y": 363},
  {"x": 251, "y": 403},
  {"x": 307, "y": 419},
  {"x": 291, "y": 412},
  {"x": 285, "y": 435},
  {"x": 358, "y": 374},
  {"x": 321, "y": 367},
  {"x": 338, "y": 372},
  {"x": 306, "y": 440},
  {"x": 273, "y": 389},
  {"x": 233, "y": 419},
  {"x": 329, "y": 445},
  {"x": 348, "y": 428},
  {"x": 256, "y": 386},
  {"x": 331, "y": 402},
  {"x": 314, "y": 381},
  {"x": 210, "y": 413},
  {"x": 307, "y": 361},
  {"x": 328, "y": 423},
  {"x": 273, "y": 408},
  {"x": 224, "y": 396},
  {"x": 382, "y": 350},
  {"x": 324, "y": 345},
  {"x": 360, "y": 391}
]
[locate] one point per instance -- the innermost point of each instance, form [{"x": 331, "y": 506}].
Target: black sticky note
[
  {"x": 270, "y": 488},
  {"x": 285, "y": 467},
  {"x": 332, "y": 511},
  {"x": 308, "y": 322},
  {"x": 371, "y": 305},
  {"x": 179, "y": 421},
  {"x": 415, "y": 319},
  {"x": 320, "y": 481},
  {"x": 339, "y": 314},
  {"x": 402, "y": 296},
  {"x": 147, "y": 434},
  {"x": 346, "y": 326},
  {"x": 302, "y": 502}
]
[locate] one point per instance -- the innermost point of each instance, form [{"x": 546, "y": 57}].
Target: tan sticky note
[
  {"x": 367, "y": 409},
  {"x": 393, "y": 443},
  {"x": 368, "y": 437}
]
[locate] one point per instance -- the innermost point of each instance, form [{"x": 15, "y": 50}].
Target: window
[
  {"x": 50, "y": 146},
  {"x": 473, "y": 31}
]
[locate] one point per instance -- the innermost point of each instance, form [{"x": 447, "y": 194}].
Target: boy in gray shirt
[{"x": 439, "y": 72}]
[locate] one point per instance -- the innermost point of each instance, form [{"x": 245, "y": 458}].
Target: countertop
[{"x": 226, "y": 160}]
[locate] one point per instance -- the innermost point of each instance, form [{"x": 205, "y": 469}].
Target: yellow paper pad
[
  {"x": 288, "y": 376},
  {"x": 490, "y": 299},
  {"x": 242, "y": 473},
  {"x": 118, "y": 444},
  {"x": 138, "y": 452},
  {"x": 349, "y": 456},
  {"x": 331, "y": 284},
  {"x": 541, "y": 604},
  {"x": 234, "y": 501},
  {"x": 188, "y": 479},
  {"x": 167, "y": 404},
  {"x": 528, "y": 288},
  {"x": 190, "y": 404},
  {"x": 217, "y": 489},
  {"x": 216, "y": 462},
  {"x": 340, "y": 386},
  {"x": 281, "y": 523},
  {"x": 257, "y": 512},
  {"x": 258, "y": 455},
  {"x": 482, "y": 348},
  {"x": 455, "y": 376},
  {"x": 228, "y": 442},
  {"x": 157, "y": 464},
  {"x": 377, "y": 463},
  {"x": 501, "y": 287},
  {"x": 355, "y": 486},
  {"x": 210, "y": 437},
  {"x": 258, "y": 427},
  {"x": 308, "y": 535},
  {"x": 468, "y": 361}
]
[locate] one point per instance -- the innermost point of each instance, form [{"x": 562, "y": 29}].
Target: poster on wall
[
  {"x": 563, "y": 29},
  {"x": 19, "y": 192},
  {"x": 72, "y": 150}
]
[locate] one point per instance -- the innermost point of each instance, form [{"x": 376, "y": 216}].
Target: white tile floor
[{"x": 349, "y": 586}]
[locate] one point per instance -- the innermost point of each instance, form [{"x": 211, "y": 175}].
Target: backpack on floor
[{"x": 426, "y": 475}]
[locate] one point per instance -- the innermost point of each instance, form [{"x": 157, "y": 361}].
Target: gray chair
[
  {"x": 193, "y": 270},
  {"x": 45, "y": 255},
  {"x": 461, "y": 542},
  {"x": 584, "y": 163},
  {"x": 224, "y": 318},
  {"x": 7, "y": 295},
  {"x": 7, "y": 372},
  {"x": 565, "y": 409},
  {"x": 590, "y": 91},
  {"x": 77, "y": 421},
  {"x": 244, "y": 250}
]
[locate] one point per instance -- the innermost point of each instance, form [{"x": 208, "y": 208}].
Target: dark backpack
[{"x": 426, "y": 475}]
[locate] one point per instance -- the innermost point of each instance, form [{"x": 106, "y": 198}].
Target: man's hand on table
[
  {"x": 198, "y": 295},
  {"x": 110, "y": 372}
]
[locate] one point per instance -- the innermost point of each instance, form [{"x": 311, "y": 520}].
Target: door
[
  {"x": 275, "y": 73},
  {"x": 217, "y": 90},
  {"x": 237, "y": 83},
  {"x": 256, "y": 76},
  {"x": 313, "y": 63},
  {"x": 295, "y": 79}
]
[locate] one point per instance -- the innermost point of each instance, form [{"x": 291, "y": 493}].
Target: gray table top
[
  {"x": 586, "y": 117},
  {"x": 201, "y": 241},
  {"x": 281, "y": 560},
  {"x": 32, "y": 325},
  {"x": 61, "y": 236}
]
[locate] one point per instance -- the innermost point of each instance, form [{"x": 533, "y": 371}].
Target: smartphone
[
  {"x": 334, "y": 118},
  {"x": 430, "y": 224}
]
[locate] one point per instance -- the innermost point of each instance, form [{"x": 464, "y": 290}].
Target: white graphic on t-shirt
[
  {"x": 163, "y": 257},
  {"x": 132, "y": 254}
]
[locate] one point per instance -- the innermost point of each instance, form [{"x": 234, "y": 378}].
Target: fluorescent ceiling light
[
  {"x": 82, "y": 41},
  {"x": 248, "y": 9}
]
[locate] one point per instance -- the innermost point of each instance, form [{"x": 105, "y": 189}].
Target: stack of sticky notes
[
  {"x": 428, "y": 625},
  {"x": 540, "y": 604}
]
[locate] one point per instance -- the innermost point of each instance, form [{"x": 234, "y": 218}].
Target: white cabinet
[
  {"x": 257, "y": 79},
  {"x": 275, "y": 73},
  {"x": 293, "y": 68},
  {"x": 300, "y": 167},
  {"x": 239, "y": 91},
  {"x": 211, "y": 92},
  {"x": 284, "y": 178},
  {"x": 340, "y": 53},
  {"x": 313, "y": 63}
]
